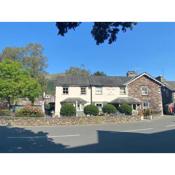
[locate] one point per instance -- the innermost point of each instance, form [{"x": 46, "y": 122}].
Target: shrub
[
  {"x": 5, "y": 112},
  {"x": 109, "y": 109},
  {"x": 91, "y": 110},
  {"x": 68, "y": 110},
  {"x": 29, "y": 111},
  {"x": 147, "y": 112},
  {"x": 126, "y": 109}
]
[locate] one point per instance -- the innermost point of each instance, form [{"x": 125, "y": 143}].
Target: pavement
[{"x": 147, "y": 136}]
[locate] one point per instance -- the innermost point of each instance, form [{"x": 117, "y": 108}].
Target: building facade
[{"x": 140, "y": 91}]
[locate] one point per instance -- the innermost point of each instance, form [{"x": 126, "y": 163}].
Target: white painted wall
[
  {"x": 74, "y": 92},
  {"x": 108, "y": 94}
]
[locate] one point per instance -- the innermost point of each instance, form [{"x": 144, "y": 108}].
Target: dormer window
[{"x": 144, "y": 90}]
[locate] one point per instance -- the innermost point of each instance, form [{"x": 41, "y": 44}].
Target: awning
[
  {"x": 74, "y": 100},
  {"x": 128, "y": 100}
]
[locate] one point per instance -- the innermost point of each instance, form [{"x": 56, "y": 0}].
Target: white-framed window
[
  {"x": 144, "y": 90},
  {"x": 122, "y": 90},
  {"x": 99, "y": 106},
  {"x": 65, "y": 90},
  {"x": 83, "y": 90},
  {"x": 98, "y": 90},
  {"x": 146, "y": 105}
]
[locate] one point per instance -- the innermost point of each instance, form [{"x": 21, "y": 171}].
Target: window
[
  {"x": 99, "y": 106},
  {"x": 98, "y": 91},
  {"x": 83, "y": 90},
  {"x": 122, "y": 90},
  {"x": 145, "y": 105},
  {"x": 65, "y": 90},
  {"x": 144, "y": 90}
]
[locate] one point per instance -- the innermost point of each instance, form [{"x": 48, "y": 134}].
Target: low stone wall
[{"x": 14, "y": 121}]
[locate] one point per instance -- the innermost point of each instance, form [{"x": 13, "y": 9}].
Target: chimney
[
  {"x": 131, "y": 74},
  {"x": 160, "y": 78}
]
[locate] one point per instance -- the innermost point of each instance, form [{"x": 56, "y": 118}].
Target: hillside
[{"x": 51, "y": 83}]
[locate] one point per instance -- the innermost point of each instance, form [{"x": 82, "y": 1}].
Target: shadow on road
[
  {"x": 108, "y": 142},
  {"x": 42, "y": 144}
]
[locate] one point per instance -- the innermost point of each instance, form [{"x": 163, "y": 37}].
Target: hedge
[
  {"x": 91, "y": 110},
  {"x": 109, "y": 109},
  {"x": 126, "y": 109},
  {"x": 67, "y": 110}
]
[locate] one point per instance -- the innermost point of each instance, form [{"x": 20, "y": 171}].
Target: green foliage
[
  {"x": 5, "y": 112},
  {"x": 91, "y": 110},
  {"x": 31, "y": 57},
  {"x": 101, "y": 31},
  {"x": 99, "y": 73},
  {"x": 109, "y": 109},
  {"x": 77, "y": 71},
  {"x": 147, "y": 112},
  {"x": 126, "y": 109},
  {"x": 29, "y": 111},
  {"x": 67, "y": 110},
  {"x": 15, "y": 82},
  {"x": 32, "y": 89}
]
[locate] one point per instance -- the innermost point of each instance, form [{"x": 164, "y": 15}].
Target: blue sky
[{"x": 149, "y": 47}]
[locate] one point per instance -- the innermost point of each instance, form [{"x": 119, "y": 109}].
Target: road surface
[{"x": 148, "y": 136}]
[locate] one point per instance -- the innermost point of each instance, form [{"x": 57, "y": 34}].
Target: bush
[
  {"x": 68, "y": 110},
  {"x": 147, "y": 112},
  {"x": 126, "y": 109},
  {"x": 5, "y": 112},
  {"x": 109, "y": 109},
  {"x": 91, "y": 110},
  {"x": 29, "y": 111}
]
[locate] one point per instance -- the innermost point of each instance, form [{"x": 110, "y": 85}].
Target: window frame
[
  {"x": 97, "y": 92},
  {"x": 144, "y": 91},
  {"x": 148, "y": 106},
  {"x": 124, "y": 90},
  {"x": 84, "y": 89},
  {"x": 63, "y": 91},
  {"x": 99, "y": 107}
]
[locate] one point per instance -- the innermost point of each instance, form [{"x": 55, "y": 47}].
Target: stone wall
[{"x": 154, "y": 96}]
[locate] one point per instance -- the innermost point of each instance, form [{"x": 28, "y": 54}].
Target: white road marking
[
  {"x": 145, "y": 129},
  {"x": 168, "y": 126},
  {"x": 38, "y": 137}
]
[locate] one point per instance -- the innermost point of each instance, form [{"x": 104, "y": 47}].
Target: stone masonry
[{"x": 154, "y": 96}]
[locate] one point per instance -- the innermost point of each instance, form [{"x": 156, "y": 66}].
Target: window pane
[
  {"x": 65, "y": 90},
  {"x": 83, "y": 90},
  {"x": 144, "y": 90},
  {"x": 98, "y": 90},
  {"x": 122, "y": 90}
]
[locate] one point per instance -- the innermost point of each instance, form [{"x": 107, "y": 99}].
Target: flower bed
[{"x": 19, "y": 121}]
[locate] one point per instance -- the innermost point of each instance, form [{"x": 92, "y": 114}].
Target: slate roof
[
  {"x": 108, "y": 80},
  {"x": 92, "y": 81},
  {"x": 73, "y": 100},
  {"x": 128, "y": 100},
  {"x": 72, "y": 81}
]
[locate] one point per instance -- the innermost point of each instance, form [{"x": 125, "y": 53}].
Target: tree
[
  {"x": 35, "y": 62},
  {"x": 32, "y": 58},
  {"x": 77, "y": 71},
  {"x": 101, "y": 31},
  {"x": 99, "y": 73},
  {"x": 14, "y": 53},
  {"x": 32, "y": 89},
  {"x": 15, "y": 82}
]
